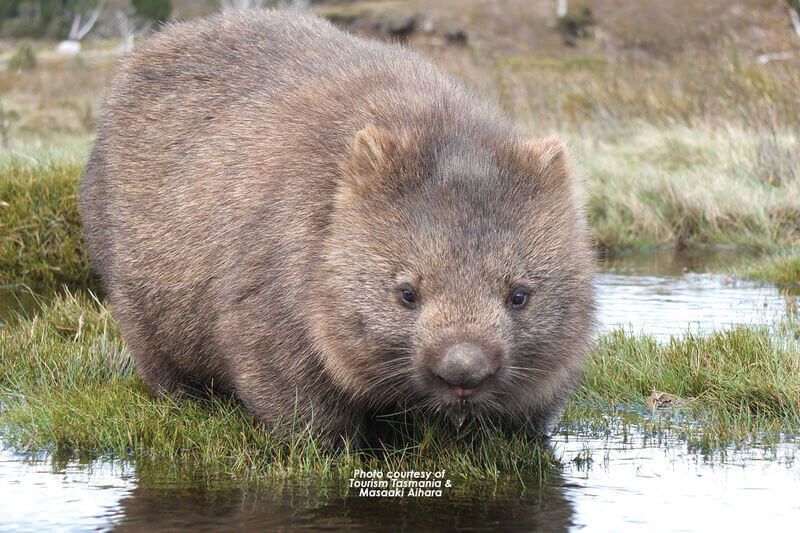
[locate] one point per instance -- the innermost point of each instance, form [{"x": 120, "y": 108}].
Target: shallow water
[
  {"x": 662, "y": 485},
  {"x": 43, "y": 494},
  {"x": 623, "y": 479},
  {"x": 667, "y": 294},
  {"x": 15, "y": 302}
]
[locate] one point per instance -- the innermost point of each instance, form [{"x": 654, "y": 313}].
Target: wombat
[{"x": 330, "y": 227}]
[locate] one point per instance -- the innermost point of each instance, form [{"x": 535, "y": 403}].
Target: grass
[
  {"x": 744, "y": 369},
  {"x": 40, "y": 236},
  {"x": 736, "y": 384},
  {"x": 66, "y": 384},
  {"x": 23, "y": 58},
  {"x": 690, "y": 187},
  {"x": 782, "y": 270}
]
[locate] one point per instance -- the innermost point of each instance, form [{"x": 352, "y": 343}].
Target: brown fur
[{"x": 262, "y": 183}]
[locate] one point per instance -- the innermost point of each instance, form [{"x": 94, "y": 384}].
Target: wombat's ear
[
  {"x": 548, "y": 162},
  {"x": 370, "y": 149},
  {"x": 371, "y": 153},
  {"x": 548, "y": 159}
]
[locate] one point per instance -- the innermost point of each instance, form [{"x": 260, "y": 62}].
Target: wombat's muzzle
[{"x": 464, "y": 366}]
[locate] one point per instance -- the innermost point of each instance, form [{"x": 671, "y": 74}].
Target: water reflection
[
  {"x": 46, "y": 494},
  {"x": 37, "y": 494},
  {"x": 15, "y": 301},
  {"x": 632, "y": 480},
  {"x": 325, "y": 506}
]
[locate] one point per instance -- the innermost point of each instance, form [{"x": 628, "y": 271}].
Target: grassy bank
[
  {"x": 692, "y": 186},
  {"x": 727, "y": 387},
  {"x": 66, "y": 383}
]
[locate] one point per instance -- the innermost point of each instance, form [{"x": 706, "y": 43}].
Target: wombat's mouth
[
  {"x": 458, "y": 403},
  {"x": 456, "y": 414}
]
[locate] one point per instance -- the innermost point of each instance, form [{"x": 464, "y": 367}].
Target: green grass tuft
[
  {"x": 747, "y": 371},
  {"x": 24, "y": 58}
]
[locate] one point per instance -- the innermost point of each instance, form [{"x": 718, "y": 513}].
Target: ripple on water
[
  {"x": 38, "y": 494},
  {"x": 633, "y": 480}
]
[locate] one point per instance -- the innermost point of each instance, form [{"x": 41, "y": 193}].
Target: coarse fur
[{"x": 261, "y": 185}]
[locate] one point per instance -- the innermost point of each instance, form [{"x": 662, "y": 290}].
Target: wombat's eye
[
  {"x": 519, "y": 297},
  {"x": 407, "y": 296}
]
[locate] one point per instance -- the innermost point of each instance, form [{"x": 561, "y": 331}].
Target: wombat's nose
[{"x": 464, "y": 366}]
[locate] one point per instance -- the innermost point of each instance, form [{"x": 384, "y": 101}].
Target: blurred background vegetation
[
  {"x": 600, "y": 66},
  {"x": 53, "y": 19}
]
